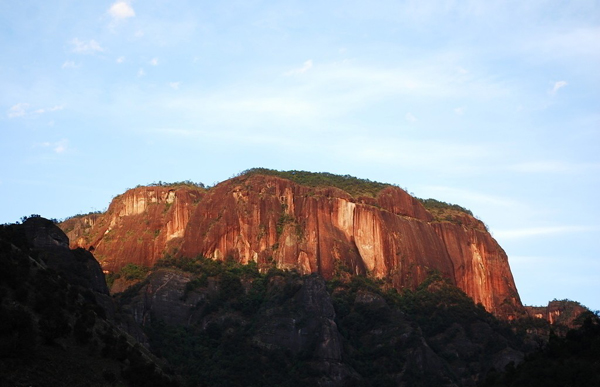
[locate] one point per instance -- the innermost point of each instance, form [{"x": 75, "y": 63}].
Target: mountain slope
[
  {"x": 57, "y": 321},
  {"x": 306, "y": 222}
]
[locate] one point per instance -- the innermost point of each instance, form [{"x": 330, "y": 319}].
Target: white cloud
[
  {"x": 410, "y": 118},
  {"x": 18, "y": 110},
  {"x": 277, "y": 106},
  {"x": 356, "y": 85},
  {"x": 22, "y": 109},
  {"x": 462, "y": 195},
  {"x": 558, "y": 85},
  {"x": 121, "y": 10},
  {"x": 69, "y": 65},
  {"x": 58, "y": 146},
  {"x": 576, "y": 44},
  {"x": 538, "y": 232},
  {"x": 553, "y": 167},
  {"x": 305, "y": 67},
  {"x": 141, "y": 72},
  {"x": 174, "y": 85},
  {"x": 154, "y": 62},
  {"x": 230, "y": 136},
  {"x": 120, "y": 59},
  {"x": 408, "y": 153},
  {"x": 88, "y": 47},
  {"x": 459, "y": 111},
  {"x": 330, "y": 92},
  {"x": 47, "y": 110}
]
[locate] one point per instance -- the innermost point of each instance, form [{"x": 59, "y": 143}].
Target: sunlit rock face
[
  {"x": 264, "y": 218},
  {"x": 139, "y": 227},
  {"x": 480, "y": 265},
  {"x": 558, "y": 312},
  {"x": 274, "y": 221}
]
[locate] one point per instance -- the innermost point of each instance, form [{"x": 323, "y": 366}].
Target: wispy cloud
[
  {"x": 83, "y": 47},
  {"x": 58, "y": 146},
  {"x": 250, "y": 108},
  {"x": 459, "y": 111},
  {"x": 141, "y": 72},
  {"x": 301, "y": 70},
  {"x": 50, "y": 109},
  {"x": 554, "y": 167},
  {"x": 326, "y": 92},
  {"x": 532, "y": 232},
  {"x": 229, "y": 136},
  {"x": 410, "y": 153},
  {"x": 69, "y": 65},
  {"x": 578, "y": 43},
  {"x": 18, "y": 110},
  {"x": 557, "y": 86},
  {"x": 22, "y": 110},
  {"x": 471, "y": 196},
  {"x": 353, "y": 81},
  {"x": 154, "y": 62},
  {"x": 410, "y": 117},
  {"x": 175, "y": 85},
  {"x": 120, "y": 59},
  {"x": 121, "y": 10}
]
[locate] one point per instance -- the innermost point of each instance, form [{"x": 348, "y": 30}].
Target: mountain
[
  {"x": 58, "y": 324},
  {"x": 198, "y": 321},
  {"x": 223, "y": 323},
  {"x": 310, "y": 222}
]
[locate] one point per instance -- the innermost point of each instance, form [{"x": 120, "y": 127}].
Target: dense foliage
[
  {"x": 256, "y": 327},
  {"x": 352, "y": 185},
  {"x": 130, "y": 272},
  {"x": 434, "y": 206},
  {"x": 386, "y": 335},
  {"x": 570, "y": 360},
  {"x": 220, "y": 350},
  {"x": 183, "y": 183},
  {"x": 432, "y": 335}
]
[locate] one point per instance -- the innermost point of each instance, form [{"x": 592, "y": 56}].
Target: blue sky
[{"x": 494, "y": 105}]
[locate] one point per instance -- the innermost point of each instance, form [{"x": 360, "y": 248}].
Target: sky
[{"x": 493, "y": 105}]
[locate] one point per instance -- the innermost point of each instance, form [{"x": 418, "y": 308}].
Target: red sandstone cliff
[
  {"x": 558, "y": 312},
  {"x": 139, "y": 227},
  {"x": 268, "y": 220}
]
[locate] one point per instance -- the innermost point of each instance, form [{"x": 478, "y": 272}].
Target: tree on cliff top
[{"x": 352, "y": 185}]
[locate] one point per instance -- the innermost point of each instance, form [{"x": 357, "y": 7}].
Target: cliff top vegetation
[
  {"x": 436, "y": 205},
  {"x": 350, "y": 184},
  {"x": 353, "y": 185}
]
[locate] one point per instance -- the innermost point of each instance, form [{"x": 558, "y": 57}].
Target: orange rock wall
[
  {"x": 139, "y": 226},
  {"x": 480, "y": 266},
  {"x": 270, "y": 220}
]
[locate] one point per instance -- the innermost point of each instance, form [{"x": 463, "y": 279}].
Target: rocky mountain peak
[{"x": 309, "y": 222}]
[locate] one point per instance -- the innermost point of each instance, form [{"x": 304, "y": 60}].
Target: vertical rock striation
[
  {"x": 139, "y": 227},
  {"x": 272, "y": 220}
]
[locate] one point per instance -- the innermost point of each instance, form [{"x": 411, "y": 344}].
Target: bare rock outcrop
[
  {"x": 271, "y": 220},
  {"x": 139, "y": 227}
]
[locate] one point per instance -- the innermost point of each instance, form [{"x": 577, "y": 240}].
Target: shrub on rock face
[{"x": 133, "y": 272}]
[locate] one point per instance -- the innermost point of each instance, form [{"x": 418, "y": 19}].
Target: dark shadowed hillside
[
  {"x": 57, "y": 322},
  {"x": 222, "y": 323}
]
